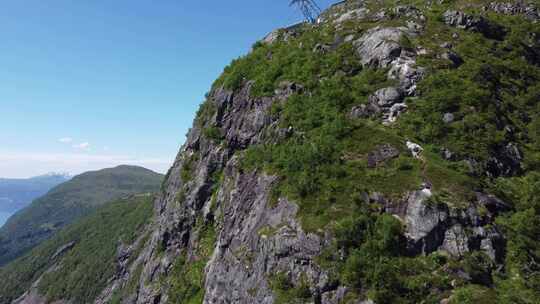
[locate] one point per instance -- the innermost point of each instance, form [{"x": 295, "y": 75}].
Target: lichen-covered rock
[
  {"x": 359, "y": 13},
  {"x": 257, "y": 241},
  {"x": 528, "y": 10},
  {"x": 425, "y": 223},
  {"x": 381, "y": 154},
  {"x": 378, "y": 47},
  {"x": 386, "y": 97},
  {"x": 431, "y": 226},
  {"x": 456, "y": 241},
  {"x": 475, "y": 23}
]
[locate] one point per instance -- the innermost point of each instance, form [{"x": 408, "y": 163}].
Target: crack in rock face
[{"x": 257, "y": 241}]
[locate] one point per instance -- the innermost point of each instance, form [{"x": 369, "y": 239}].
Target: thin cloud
[
  {"x": 33, "y": 164},
  {"x": 82, "y": 146},
  {"x": 65, "y": 140}
]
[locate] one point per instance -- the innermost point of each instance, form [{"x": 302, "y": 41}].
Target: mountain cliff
[
  {"x": 387, "y": 154},
  {"x": 69, "y": 201}
]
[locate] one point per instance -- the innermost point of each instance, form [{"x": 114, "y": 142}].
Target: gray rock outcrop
[
  {"x": 381, "y": 154},
  {"x": 379, "y": 47},
  {"x": 524, "y": 8},
  {"x": 474, "y": 23},
  {"x": 434, "y": 226}
]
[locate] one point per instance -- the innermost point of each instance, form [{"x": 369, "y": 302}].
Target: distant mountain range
[
  {"x": 68, "y": 202},
  {"x": 17, "y": 193}
]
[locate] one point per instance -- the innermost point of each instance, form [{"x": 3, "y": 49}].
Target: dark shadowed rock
[
  {"x": 453, "y": 57},
  {"x": 505, "y": 161},
  {"x": 492, "y": 203}
]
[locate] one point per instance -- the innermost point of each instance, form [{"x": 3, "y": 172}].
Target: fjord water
[{"x": 4, "y": 217}]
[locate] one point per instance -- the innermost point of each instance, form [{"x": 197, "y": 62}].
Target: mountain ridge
[{"x": 69, "y": 201}]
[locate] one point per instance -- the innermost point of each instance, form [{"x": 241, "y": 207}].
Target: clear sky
[{"x": 92, "y": 84}]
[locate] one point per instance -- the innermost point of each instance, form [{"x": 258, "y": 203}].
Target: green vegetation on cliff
[{"x": 493, "y": 96}]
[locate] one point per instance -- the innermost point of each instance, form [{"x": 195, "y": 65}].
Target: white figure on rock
[{"x": 415, "y": 149}]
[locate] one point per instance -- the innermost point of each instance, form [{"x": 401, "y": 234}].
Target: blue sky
[{"x": 92, "y": 84}]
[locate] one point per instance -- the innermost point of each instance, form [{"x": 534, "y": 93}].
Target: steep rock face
[
  {"x": 256, "y": 242},
  {"x": 242, "y": 121}
]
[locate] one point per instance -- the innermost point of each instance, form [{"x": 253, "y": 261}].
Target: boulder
[
  {"x": 474, "y": 23},
  {"x": 527, "y": 10},
  {"x": 389, "y": 102},
  {"x": 381, "y": 154},
  {"x": 396, "y": 110},
  {"x": 425, "y": 224},
  {"x": 492, "y": 203},
  {"x": 378, "y": 47},
  {"x": 408, "y": 11},
  {"x": 386, "y": 97},
  {"x": 453, "y": 57},
  {"x": 355, "y": 14},
  {"x": 447, "y": 154},
  {"x": 334, "y": 297},
  {"x": 405, "y": 70},
  {"x": 456, "y": 241},
  {"x": 364, "y": 111},
  {"x": 416, "y": 149},
  {"x": 448, "y": 118}
]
